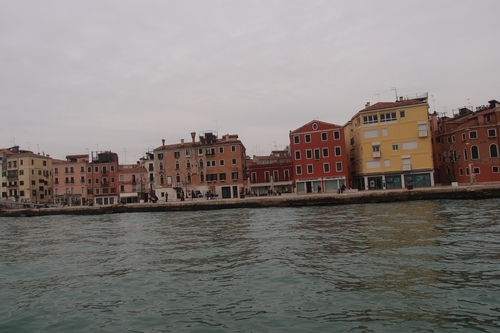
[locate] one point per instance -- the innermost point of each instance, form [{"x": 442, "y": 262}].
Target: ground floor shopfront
[
  {"x": 211, "y": 191},
  {"x": 395, "y": 180},
  {"x": 319, "y": 185}
]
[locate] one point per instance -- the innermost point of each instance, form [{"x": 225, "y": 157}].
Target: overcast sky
[{"x": 122, "y": 75}]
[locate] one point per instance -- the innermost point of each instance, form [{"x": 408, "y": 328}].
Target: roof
[
  {"x": 322, "y": 125},
  {"x": 392, "y": 105}
]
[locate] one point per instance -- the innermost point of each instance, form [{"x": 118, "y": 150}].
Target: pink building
[{"x": 70, "y": 180}]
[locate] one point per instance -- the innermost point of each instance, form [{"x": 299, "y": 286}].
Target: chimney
[
  {"x": 182, "y": 142},
  {"x": 367, "y": 104},
  {"x": 400, "y": 98},
  {"x": 193, "y": 135},
  {"x": 163, "y": 142}
]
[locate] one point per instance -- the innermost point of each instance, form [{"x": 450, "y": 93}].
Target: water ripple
[{"x": 430, "y": 266}]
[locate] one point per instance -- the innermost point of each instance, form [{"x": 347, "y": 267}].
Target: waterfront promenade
[{"x": 482, "y": 191}]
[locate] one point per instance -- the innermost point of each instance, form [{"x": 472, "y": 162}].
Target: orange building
[
  {"x": 70, "y": 180},
  {"x": 210, "y": 167},
  {"x": 133, "y": 183},
  {"x": 102, "y": 178}
]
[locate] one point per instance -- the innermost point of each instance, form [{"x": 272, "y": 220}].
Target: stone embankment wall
[{"x": 352, "y": 197}]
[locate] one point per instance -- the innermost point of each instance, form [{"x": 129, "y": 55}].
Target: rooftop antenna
[
  {"x": 433, "y": 103},
  {"x": 396, "y": 90}
]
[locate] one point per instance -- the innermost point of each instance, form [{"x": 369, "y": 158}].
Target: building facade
[
  {"x": 390, "y": 145},
  {"x": 270, "y": 174},
  {"x": 102, "y": 179},
  {"x": 70, "y": 180},
  {"x": 210, "y": 167},
  {"x": 466, "y": 146},
  {"x": 319, "y": 157},
  {"x": 26, "y": 176},
  {"x": 133, "y": 183}
]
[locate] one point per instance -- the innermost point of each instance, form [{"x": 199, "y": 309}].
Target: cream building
[{"x": 389, "y": 145}]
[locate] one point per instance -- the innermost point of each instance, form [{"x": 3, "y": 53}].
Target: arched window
[
  {"x": 201, "y": 163},
  {"x": 161, "y": 166},
  {"x": 474, "y": 152},
  {"x": 189, "y": 177},
  {"x": 177, "y": 164},
  {"x": 202, "y": 177},
  {"x": 161, "y": 180},
  {"x": 188, "y": 164},
  {"x": 178, "y": 178},
  {"x": 493, "y": 151}
]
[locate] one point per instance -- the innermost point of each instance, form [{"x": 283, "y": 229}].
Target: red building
[
  {"x": 270, "y": 174},
  {"x": 102, "y": 178},
  {"x": 319, "y": 157},
  {"x": 465, "y": 146}
]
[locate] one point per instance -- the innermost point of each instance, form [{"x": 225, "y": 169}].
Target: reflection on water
[{"x": 429, "y": 266}]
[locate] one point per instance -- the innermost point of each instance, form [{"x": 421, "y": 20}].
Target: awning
[{"x": 128, "y": 195}]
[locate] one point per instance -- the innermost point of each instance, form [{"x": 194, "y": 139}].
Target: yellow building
[
  {"x": 27, "y": 176},
  {"x": 389, "y": 145}
]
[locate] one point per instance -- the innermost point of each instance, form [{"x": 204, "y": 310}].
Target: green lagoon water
[{"x": 404, "y": 267}]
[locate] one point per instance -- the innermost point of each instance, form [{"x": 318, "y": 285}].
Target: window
[
  {"x": 188, "y": 164},
  {"x": 189, "y": 177},
  {"x": 202, "y": 177},
  {"x": 463, "y": 136},
  {"x": 254, "y": 177},
  {"x": 326, "y": 167},
  {"x": 494, "y": 169},
  {"x": 493, "y": 151},
  {"x": 492, "y": 133},
  {"x": 96, "y": 169},
  {"x": 325, "y": 152},
  {"x": 316, "y": 154},
  {"x": 307, "y": 138},
  {"x": 275, "y": 176},
  {"x": 176, "y": 165},
  {"x": 324, "y": 136},
  {"x": 160, "y": 156},
  {"x": 221, "y": 150},
  {"x": 122, "y": 177},
  {"x": 56, "y": 171},
  {"x": 297, "y": 154},
  {"x": 315, "y": 126},
  {"x": 178, "y": 178},
  {"x": 309, "y": 168},
  {"x": 234, "y": 175},
  {"x": 287, "y": 175},
  {"x": 338, "y": 165},
  {"x": 233, "y": 148},
  {"x": 200, "y": 163},
  {"x": 453, "y": 138},
  {"x": 473, "y": 134},
  {"x": 391, "y": 116},
  {"x": 336, "y": 135},
  {"x": 221, "y": 162},
  {"x": 89, "y": 169},
  {"x": 213, "y": 163},
  {"x": 338, "y": 151},
  {"x": 89, "y": 181},
  {"x": 82, "y": 169},
  {"x": 370, "y": 119},
  {"x": 233, "y": 161},
  {"x": 267, "y": 177},
  {"x": 200, "y": 151},
  {"x": 465, "y": 154},
  {"x": 296, "y": 139},
  {"x": 474, "y": 152},
  {"x": 82, "y": 179},
  {"x": 395, "y": 146},
  {"x": 308, "y": 153},
  {"x": 188, "y": 153},
  {"x": 299, "y": 169},
  {"x": 476, "y": 170},
  {"x": 402, "y": 114}
]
